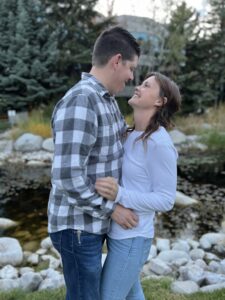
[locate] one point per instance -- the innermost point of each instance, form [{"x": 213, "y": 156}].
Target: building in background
[{"x": 151, "y": 36}]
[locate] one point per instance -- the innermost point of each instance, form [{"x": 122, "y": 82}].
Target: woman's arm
[{"x": 162, "y": 172}]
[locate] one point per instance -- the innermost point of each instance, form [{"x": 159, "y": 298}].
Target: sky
[{"x": 141, "y": 8}]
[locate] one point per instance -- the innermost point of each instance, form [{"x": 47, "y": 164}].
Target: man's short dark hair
[{"x": 113, "y": 41}]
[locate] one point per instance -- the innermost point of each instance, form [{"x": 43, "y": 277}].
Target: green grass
[
  {"x": 194, "y": 124},
  {"x": 153, "y": 289},
  {"x": 160, "y": 290},
  {"x": 213, "y": 137},
  {"x": 58, "y": 294},
  {"x": 214, "y": 140}
]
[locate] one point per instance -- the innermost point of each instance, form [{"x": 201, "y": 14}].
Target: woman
[{"x": 148, "y": 185}]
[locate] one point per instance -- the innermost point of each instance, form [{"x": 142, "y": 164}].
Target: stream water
[{"x": 29, "y": 208}]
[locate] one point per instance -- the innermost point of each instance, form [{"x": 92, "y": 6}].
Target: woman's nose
[{"x": 137, "y": 88}]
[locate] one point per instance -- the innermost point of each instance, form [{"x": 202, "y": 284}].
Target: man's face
[{"x": 124, "y": 73}]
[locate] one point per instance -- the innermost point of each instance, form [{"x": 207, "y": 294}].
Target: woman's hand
[{"x": 107, "y": 187}]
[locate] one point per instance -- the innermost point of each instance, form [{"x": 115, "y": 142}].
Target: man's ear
[{"x": 115, "y": 60}]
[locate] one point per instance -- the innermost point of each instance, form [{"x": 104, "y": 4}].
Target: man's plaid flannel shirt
[{"x": 87, "y": 129}]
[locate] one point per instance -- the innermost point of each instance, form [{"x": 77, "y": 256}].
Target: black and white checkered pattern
[{"x": 87, "y": 129}]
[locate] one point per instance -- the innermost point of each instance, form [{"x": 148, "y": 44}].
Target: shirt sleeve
[
  {"x": 75, "y": 127},
  {"x": 162, "y": 169}
]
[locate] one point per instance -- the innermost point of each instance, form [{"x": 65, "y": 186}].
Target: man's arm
[
  {"x": 125, "y": 217},
  {"x": 75, "y": 129}
]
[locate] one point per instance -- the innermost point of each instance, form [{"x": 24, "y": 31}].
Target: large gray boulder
[
  {"x": 178, "y": 137},
  {"x": 30, "y": 281},
  {"x": 171, "y": 255},
  {"x": 10, "y": 252},
  {"x": 209, "y": 239},
  {"x": 8, "y": 272},
  {"x": 9, "y": 284},
  {"x": 159, "y": 267},
  {"x": 184, "y": 200},
  {"x": 48, "y": 145},
  {"x": 28, "y": 142}
]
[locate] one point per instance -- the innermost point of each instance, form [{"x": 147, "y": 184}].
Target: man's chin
[{"x": 120, "y": 89}]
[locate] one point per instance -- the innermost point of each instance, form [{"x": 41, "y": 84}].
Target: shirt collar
[{"x": 97, "y": 84}]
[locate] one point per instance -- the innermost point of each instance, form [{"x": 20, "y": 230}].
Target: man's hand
[
  {"x": 125, "y": 217},
  {"x": 107, "y": 187}
]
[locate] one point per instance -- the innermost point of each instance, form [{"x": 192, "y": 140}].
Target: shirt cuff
[
  {"x": 119, "y": 194},
  {"x": 109, "y": 204}
]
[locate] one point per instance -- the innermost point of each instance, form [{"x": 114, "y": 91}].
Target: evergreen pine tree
[
  {"x": 78, "y": 26},
  {"x": 28, "y": 53},
  {"x": 205, "y": 68},
  {"x": 182, "y": 31},
  {"x": 196, "y": 90},
  {"x": 7, "y": 30},
  {"x": 216, "y": 52}
]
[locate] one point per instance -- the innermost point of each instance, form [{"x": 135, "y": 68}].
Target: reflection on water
[
  {"x": 199, "y": 219},
  {"x": 29, "y": 208}
]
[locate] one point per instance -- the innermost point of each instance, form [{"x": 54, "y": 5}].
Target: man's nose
[{"x": 131, "y": 76}]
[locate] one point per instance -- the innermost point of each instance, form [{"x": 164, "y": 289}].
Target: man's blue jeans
[
  {"x": 81, "y": 254},
  {"x": 122, "y": 267}
]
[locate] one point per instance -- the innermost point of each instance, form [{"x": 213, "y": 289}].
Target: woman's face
[{"x": 146, "y": 95}]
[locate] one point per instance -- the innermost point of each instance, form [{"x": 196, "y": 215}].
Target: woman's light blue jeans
[{"x": 121, "y": 270}]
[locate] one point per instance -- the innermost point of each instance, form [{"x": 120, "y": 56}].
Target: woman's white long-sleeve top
[{"x": 149, "y": 179}]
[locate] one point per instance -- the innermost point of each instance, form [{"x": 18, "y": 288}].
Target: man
[{"x": 87, "y": 127}]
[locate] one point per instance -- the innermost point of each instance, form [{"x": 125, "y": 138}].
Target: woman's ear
[{"x": 161, "y": 101}]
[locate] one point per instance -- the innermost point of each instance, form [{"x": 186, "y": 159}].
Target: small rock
[
  {"x": 6, "y": 223},
  {"x": 184, "y": 287},
  {"x": 8, "y": 272}
]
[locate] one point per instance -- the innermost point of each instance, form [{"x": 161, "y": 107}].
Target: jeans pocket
[
  {"x": 56, "y": 238},
  {"x": 91, "y": 238}
]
